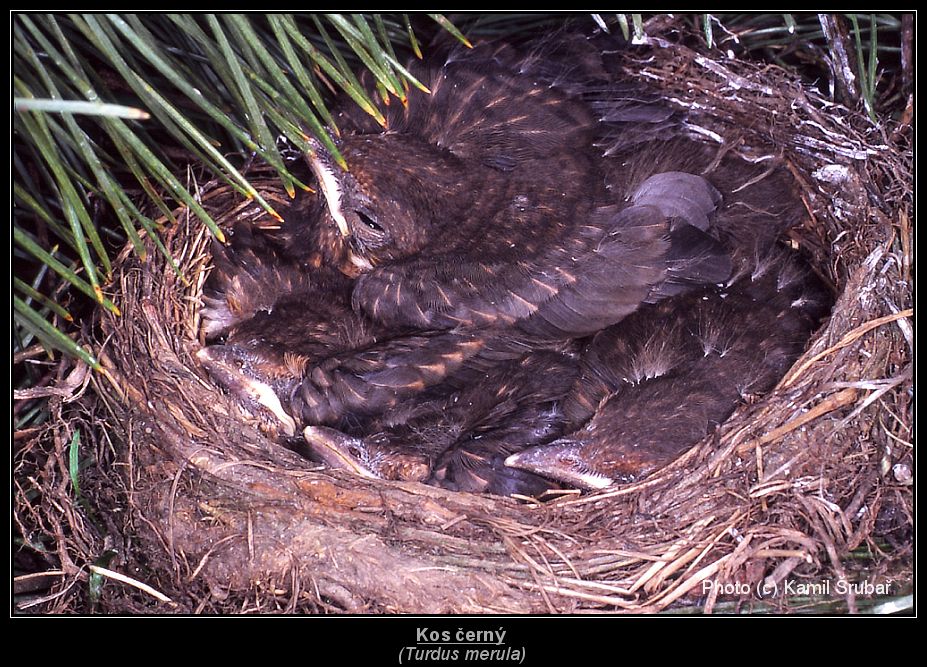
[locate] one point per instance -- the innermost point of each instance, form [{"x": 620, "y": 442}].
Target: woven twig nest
[{"x": 200, "y": 506}]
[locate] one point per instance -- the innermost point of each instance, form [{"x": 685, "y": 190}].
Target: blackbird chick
[
  {"x": 270, "y": 318},
  {"x": 655, "y": 384},
  {"x": 458, "y": 434},
  {"x": 486, "y": 203},
  {"x": 286, "y": 341},
  {"x": 532, "y": 199},
  {"x": 535, "y": 193},
  {"x": 262, "y": 357},
  {"x": 490, "y": 205}
]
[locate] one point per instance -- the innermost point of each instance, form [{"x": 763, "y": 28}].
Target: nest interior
[{"x": 193, "y": 501}]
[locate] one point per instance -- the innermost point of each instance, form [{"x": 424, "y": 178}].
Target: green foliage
[{"x": 104, "y": 104}]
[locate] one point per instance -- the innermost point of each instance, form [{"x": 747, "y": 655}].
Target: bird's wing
[
  {"x": 592, "y": 274},
  {"x": 484, "y": 106},
  {"x": 583, "y": 282},
  {"x": 661, "y": 379},
  {"x": 371, "y": 381}
]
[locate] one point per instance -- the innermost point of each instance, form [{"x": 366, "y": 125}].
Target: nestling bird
[
  {"x": 457, "y": 435},
  {"x": 269, "y": 318},
  {"x": 490, "y": 206},
  {"x": 658, "y": 382},
  {"x": 531, "y": 201}
]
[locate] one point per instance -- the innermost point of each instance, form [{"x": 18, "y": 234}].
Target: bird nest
[{"x": 201, "y": 512}]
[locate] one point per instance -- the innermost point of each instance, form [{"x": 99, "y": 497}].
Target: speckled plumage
[
  {"x": 532, "y": 201},
  {"x": 657, "y": 383}
]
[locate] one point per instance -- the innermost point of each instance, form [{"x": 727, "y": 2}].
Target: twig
[
  {"x": 832, "y": 402},
  {"x": 852, "y": 336},
  {"x": 145, "y": 588},
  {"x": 570, "y": 593}
]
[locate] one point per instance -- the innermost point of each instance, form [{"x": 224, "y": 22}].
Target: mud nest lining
[{"x": 197, "y": 504}]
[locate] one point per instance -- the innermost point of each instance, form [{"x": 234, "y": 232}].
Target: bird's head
[
  {"x": 396, "y": 193},
  {"x": 252, "y": 378}
]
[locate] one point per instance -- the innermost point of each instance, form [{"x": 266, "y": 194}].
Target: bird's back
[{"x": 655, "y": 384}]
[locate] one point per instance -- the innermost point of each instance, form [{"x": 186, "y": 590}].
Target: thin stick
[
  {"x": 846, "y": 340},
  {"x": 832, "y": 402},
  {"x": 145, "y": 588}
]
